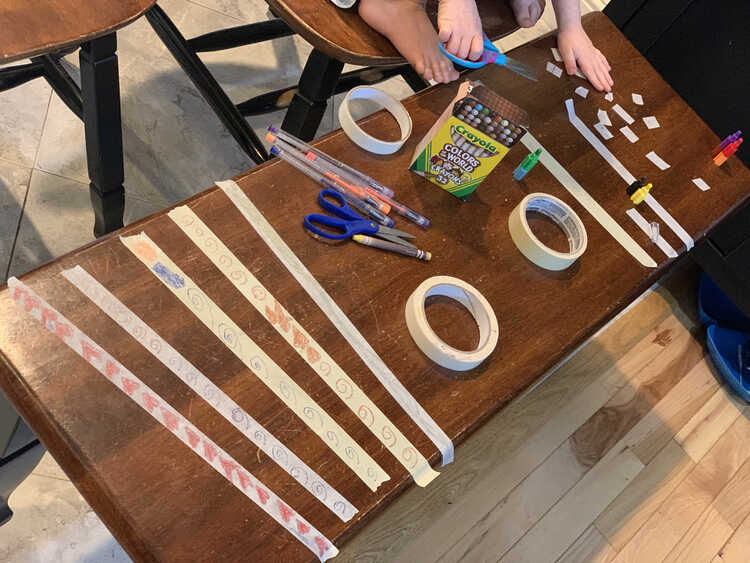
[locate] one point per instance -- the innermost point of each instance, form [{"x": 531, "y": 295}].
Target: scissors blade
[
  {"x": 519, "y": 68},
  {"x": 394, "y": 239},
  {"x": 394, "y": 232}
]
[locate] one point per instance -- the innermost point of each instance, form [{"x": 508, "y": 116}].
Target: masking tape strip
[
  {"x": 623, "y": 114},
  {"x": 588, "y": 202},
  {"x": 224, "y": 405},
  {"x": 338, "y": 318},
  {"x": 168, "y": 417},
  {"x": 639, "y": 220},
  {"x": 358, "y": 135},
  {"x": 283, "y": 386},
  {"x": 304, "y": 344},
  {"x": 426, "y": 339},
  {"x": 563, "y": 216},
  {"x": 624, "y": 174}
]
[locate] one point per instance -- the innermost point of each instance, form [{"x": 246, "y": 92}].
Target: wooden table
[{"x": 162, "y": 502}]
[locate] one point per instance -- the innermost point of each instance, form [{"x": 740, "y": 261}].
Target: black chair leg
[
  {"x": 100, "y": 90},
  {"x": 206, "y": 84},
  {"x": 316, "y": 85},
  {"x": 62, "y": 83}
]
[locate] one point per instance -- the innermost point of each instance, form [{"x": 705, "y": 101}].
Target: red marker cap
[{"x": 731, "y": 148}]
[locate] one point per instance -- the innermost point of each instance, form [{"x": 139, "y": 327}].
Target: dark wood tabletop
[
  {"x": 343, "y": 35},
  {"x": 164, "y": 503},
  {"x": 33, "y": 28}
]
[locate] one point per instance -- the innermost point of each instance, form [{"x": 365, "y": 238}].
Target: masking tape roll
[
  {"x": 426, "y": 339},
  {"x": 364, "y": 139},
  {"x": 563, "y": 216}
]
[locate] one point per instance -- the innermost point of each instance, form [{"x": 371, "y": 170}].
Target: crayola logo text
[{"x": 471, "y": 137}]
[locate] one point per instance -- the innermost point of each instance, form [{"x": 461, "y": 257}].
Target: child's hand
[{"x": 576, "y": 49}]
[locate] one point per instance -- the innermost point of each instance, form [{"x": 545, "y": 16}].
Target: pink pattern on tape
[{"x": 171, "y": 419}]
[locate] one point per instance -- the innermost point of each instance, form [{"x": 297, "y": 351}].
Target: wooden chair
[
  {"x": 337, "y": 36},
  {"x": 45, "y": 30}
]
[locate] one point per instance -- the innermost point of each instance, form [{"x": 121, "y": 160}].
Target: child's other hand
[{"x": 576, "y": 49}]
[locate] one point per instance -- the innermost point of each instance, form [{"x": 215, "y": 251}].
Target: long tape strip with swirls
[
  {"x": 304, "y": 344},
  {"x": 275, "y": 378},
  {"x": 178, "y": 425},
  {"x": 224, "y": 405}
]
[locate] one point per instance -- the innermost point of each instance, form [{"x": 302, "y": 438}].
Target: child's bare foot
[
  {"x": 460, "y": 28},
  {"x": 406, "y": 24},
  {"x": 527, "y": 12}
]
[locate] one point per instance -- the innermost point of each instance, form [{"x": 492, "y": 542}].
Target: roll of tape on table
[
  {"x": 563, "y": 216},
  {"x": 426, "y": 339},
  {"x": 361, "y": 137}
]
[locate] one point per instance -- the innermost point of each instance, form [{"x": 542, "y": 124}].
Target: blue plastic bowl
[{"x": 723, "y": 345}]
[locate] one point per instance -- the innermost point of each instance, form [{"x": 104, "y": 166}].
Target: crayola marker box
[{"x": 470, "y": 137}]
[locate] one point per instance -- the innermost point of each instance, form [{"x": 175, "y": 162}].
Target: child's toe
[{"x": 476, "y": 48}]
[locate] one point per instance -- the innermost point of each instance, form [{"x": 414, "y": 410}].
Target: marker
[
  {"x": 303, "y": 146},
  {"x": 527, "y": 164},
  {"x": 393, "y": 247},
  {"x": 640, "y": 194},
  {"x": 728, "y": 151},
  {"x": 727, "y": 140},
  {"x": 401, "y": 209},
  {"x": 362, "y": 206}
]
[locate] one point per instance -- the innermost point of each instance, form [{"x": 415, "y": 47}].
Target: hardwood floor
[{"x": 633, "y": 450}]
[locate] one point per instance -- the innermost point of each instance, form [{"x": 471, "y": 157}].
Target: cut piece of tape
[
  {"x": 338, "y": 318},
  {"x": 159, "y": 409},
  {"x": 701, "y": 183},
  {"x": 604, "y": 117},
  {"x": 563, "y": 216},
  {"x": 304, "y": 344},
  {"x": 275, "y": 378},
  {"x": 554, "y": 70},
  {"x": 584, "y": 198},
  {"x": 629, "y": 135},
  {"x": 556, "y": 54},
  {"x": 651, "y": 122},
  {"x": 644, "y": 225},
  {"x": 609, "y": 96},
  {"x": 429, "y": 342},
  {"x": 581, "y": 91},
  {"x": 623, "y": 114},
  {"x": 224, "y": 405},
  {"x": 617, "y": 166},
  {"x": 603, "y": 131},
  {"x": 360, "y": 136},
  {"x": 657, "y": 160},
  {"x": 637, "y": 99}
]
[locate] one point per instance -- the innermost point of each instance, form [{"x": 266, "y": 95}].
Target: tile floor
[{"x": 174, "y": 146}]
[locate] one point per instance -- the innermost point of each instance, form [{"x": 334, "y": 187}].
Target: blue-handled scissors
[
  {"x": 492, "y": 54},
  {"x": 348, "y": 222}
]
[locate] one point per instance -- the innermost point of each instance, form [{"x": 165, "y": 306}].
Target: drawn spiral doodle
[
  {"x": 187, "y": 220},
  {"x": 197, "y": 299},
  {"x": 225, "y": 260},
  {"x": 344, "y": 388},
  {"x": 198, "y": 230},
  {"x": 333, "y": 438},
  {"x": 228, "y": 335},
  {"x": 210, "y": 243},
  {"x": 313, "y": 414},
  {"x": 288, "y": 393},
  {"x": 325, "y": 368},
  {"x": 259, "y": 435},
  {"x": 354, "y": 456},
  {"x": 239, "y": 276},
  {"x": 299, "y": 474},
  {"x": 365, "y": 415},
  {"x": 139, "y": 332},
  {"x": 409, "y": 456},
  {"x": 388, "y": 436},
  {"x": 121, "y": 313},
  {"x": 238, "y": 415},
  {"x": 154, "y": 346},
  {"x": 320, "y": 491},
  {"x": 280, "y": 455},
  {"x": 259, "y": 293},
  {"x": 371, "y": 472},
  {"x": 259, "y": 367},
  {"x": 340, "y": 507},
  {"x": 212, "y": 394}
]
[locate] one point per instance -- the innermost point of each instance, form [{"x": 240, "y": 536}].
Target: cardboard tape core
[
  {"x": 563, "y": 216},
  {"x": 429, "y": 342},
  {"x": 361, "y": 137}
]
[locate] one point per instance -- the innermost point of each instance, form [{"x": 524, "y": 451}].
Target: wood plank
[
  {"x": 415, "y": 518},
  {"x": 590, "y": 547},
  {"x": 652, "y": 433},
  {"x": 737, "y": 548},
  {"x": 709, "y": 423},
  {"x": 642, "y": 497},
  {"x": 704, "y": 538},
  {"x": 733, "y": 502},
  {"x": 664, "y": 529},
  {"x": 565, "y": 521}
]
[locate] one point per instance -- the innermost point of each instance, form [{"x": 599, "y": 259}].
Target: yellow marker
[{"x": 640, "y": 194}]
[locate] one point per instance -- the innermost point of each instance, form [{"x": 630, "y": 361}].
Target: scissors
[
  {"x": 348, "y": 222},
  {"x": 492, "y": 54}
]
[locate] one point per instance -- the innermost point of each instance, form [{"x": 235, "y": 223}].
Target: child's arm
[{"x": 576, "y": 48}]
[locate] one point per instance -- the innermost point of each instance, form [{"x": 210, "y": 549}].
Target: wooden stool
[
  {"x": 44, "y": 31},
  {"x": 337, "y": 36}
]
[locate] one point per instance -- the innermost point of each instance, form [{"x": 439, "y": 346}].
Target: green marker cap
[{"x": 531, "y": 159}]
